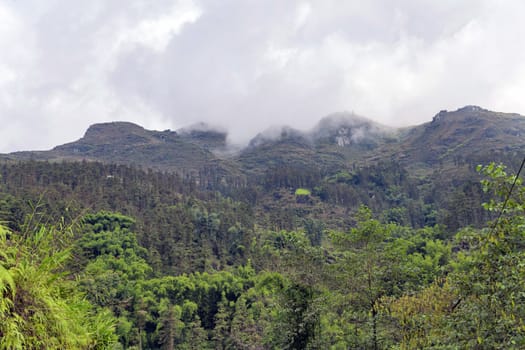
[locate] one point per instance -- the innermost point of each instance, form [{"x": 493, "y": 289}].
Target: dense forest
[{"x": 105, "y": 256}]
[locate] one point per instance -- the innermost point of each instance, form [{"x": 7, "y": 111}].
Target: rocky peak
[
  {"x": 205, "y": 135},
  {"x": 276, "y": 134},
  {"x": 463, "y": 112},
  {"x": 112, "y": 131},
  {"x": 346, "y": 129}
]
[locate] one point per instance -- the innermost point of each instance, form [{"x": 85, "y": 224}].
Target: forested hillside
[{"x": 346, "y": 237}]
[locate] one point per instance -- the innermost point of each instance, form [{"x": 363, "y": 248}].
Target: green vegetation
[
  {"x": 302, "y": 192},
  {"x": 99, "y": 256},
  {"x": 40, "y": 306}
]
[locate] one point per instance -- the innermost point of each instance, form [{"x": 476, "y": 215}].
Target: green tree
[
  {"x": 297, "y": 321},
  {"x": 490, "y": 275},
  {"x": 195, "y": 335},
  {"x": 366, "y": 273},
  {"x": 221, "y": 331},
  {"x": 480, "y": 303},
  {"x": 170, "y": 325},
  {"x": 244, "y": 331},
  {"x": 113, "y": 266}
]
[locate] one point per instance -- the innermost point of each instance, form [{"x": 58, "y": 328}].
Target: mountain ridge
[{"x": 337, "y": 140}]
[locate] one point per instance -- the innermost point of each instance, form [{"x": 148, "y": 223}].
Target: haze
[{"x": 246, "y": 65}]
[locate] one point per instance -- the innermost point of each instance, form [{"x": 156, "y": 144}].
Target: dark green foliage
[
  {"x": 166, "y": 261},
  {"x": 165, "y": 209},
  {"x": 491, "y": 274},
  {"x": 297, "y": 323},
  {"x": 478, "y": 304},
  {"x": 314, "y": 231}
]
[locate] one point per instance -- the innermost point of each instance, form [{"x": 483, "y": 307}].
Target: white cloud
[
  {"x": 302, "y": 13},
  {"x": 156, "y": 33},
  {"x": 248, "y": 65}
]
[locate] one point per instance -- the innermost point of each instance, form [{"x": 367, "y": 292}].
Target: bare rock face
[
  {"x": 113, "y": 132},
  {"x": 207, "y": 136},
  {"x": 348, "y": 129}
]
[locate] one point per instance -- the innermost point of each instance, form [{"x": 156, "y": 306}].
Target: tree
[
  {"x": 366, "y": 272},
  {"x": 244, "y": 331},
  {"x": 170, "y": 326},
  {"x": 221, "y": 331},
  {"x": 297, "y": 321},
  {"x": 113, "y": 265},
  {"x": 480, "y": 304},
  {"x": 195, "y": 335},
  {"x": 490, "y": 275}
]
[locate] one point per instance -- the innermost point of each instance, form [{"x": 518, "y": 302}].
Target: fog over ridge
[{"x": 245, "y": 66}]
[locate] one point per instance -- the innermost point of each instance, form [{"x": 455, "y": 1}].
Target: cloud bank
[{"x": 247, "y": 65}]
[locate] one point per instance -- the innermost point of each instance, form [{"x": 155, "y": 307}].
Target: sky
[{"x": 246, "y": 65}]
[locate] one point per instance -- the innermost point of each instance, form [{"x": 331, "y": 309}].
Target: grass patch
[{"x": 302, "y": 192}]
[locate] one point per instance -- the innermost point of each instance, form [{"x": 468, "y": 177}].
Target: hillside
[
  {"x": 417, "y": 175},
  {"x": 469, "y": 134},
  {"x": 328, "y": 238},
  {"x": 186, "y": 152},
  {"x": 345, "y": 159}
]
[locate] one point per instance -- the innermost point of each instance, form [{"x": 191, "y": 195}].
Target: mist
[{"x": 245, "y": 66}]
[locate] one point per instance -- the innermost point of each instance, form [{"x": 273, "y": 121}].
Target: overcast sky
[{"x": 249, "y": 64}]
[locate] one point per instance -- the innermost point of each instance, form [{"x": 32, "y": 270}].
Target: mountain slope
[
  {"x": 336, "y": 140},
  {"x": 468, "y": 135},
  {"x": 128, "y": 143},
  {"x": 277, "y": 147}
]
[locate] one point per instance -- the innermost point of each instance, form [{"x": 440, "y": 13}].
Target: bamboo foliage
[{"x": 39, "y": 307}]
